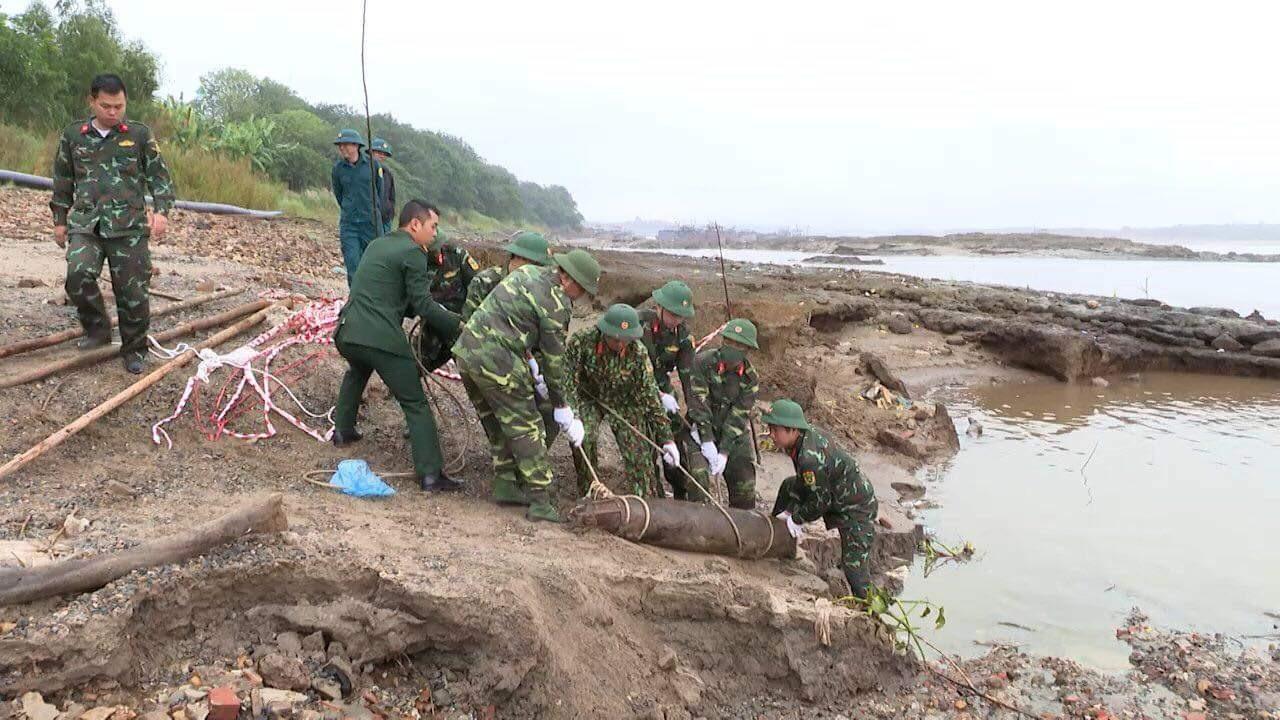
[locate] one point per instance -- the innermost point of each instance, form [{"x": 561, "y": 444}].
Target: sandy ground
[{"x": 452, "y": 606}]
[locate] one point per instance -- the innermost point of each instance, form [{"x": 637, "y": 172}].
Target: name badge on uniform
[
  {"x": 673, "y": 348},
  {"x": 451, "y": 273}
]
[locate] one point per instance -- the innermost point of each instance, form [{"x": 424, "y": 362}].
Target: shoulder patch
[
  {"x": 472, "y": 262},
  {"x": 810, "y": 479}
]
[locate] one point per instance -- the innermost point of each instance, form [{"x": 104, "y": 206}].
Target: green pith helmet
[
  {"x": 347, "y": 135},
  {"x": 742, "y": 331},
  {"x": 620, "y": 321},
  {"x": 380, "y": 145},
  {"x": 581, "y": 267},
  {"x": 786, "y": 413},
  {"x": 675, "y": 297},
  {"x": 531, "y": 246}
]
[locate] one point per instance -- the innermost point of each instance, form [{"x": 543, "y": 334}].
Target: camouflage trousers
[
  {"x": 857, "y": 533},
  {"x": 510, "y": 416},
  {"x": 740, "y": 471},
  {"x": 691, "y": 460},
  {"x": 639, "y": 472},
  {"x": 129, "y": 260}
]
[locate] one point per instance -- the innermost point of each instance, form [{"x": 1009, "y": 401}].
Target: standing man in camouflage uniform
[
  {"x": 454, "y": 268},
  {"x": 607, "y": 367},
  {"x": 360, "y": 220},
  {"x": 724, "y": 388},
  {"x": 827, "y": 485},
  {"x": 527, "y": 313},
  {"x": 102, "y": 172},
  {"x": 393, "y": 281},
  {"x": 666, "y": 338},
  {"x": 525, "y": 248},
  {"x": 381, "y": 150}
]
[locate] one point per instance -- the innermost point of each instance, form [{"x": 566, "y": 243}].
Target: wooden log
[
  {"x": 23, "y": 346},
  {"x": 165, "y": 295},
  {"x": 127, "y": 394},
  {"x": 693, "y": 527},
  {"x": 23, "y": 585},
  {"x": 91, "y": 357}
]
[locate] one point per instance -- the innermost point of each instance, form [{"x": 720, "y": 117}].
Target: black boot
[
  {"x": 133, "y": 363},
  {"x": 91, "y": 341},
  {"x": 438, "y": 482},
  {"x": 346, "y": 437}
]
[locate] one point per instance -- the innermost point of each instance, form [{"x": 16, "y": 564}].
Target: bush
[
  {"x": 200, "y": 174},
  {"x": 26, "y": 151}
]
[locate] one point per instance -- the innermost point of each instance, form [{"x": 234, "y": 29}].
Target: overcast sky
[{"x": 833, "y": 117}]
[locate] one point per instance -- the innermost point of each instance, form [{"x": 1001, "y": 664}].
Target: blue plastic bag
[{"x": 355, "y": 478}]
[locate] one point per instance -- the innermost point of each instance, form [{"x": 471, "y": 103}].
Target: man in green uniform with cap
[
  {"x": 527, "y": 313},
  {"x": 381, "y": 150},
  {"x": 454, "y": 268},
  {"x": 393, "y": 281},
  {"x": 525, "y": 248},
  {"x": 102, "y": 172},
  {"x": 609, "y": 368},
  {"x": 723, "y": 392},
  {"x": 359, "y": 221},
  {"x": 666, "y": 338},
  {"x": 827, "y": 485}
]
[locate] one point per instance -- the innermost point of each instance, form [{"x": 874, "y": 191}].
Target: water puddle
[{"x": 1084, "y": 502}]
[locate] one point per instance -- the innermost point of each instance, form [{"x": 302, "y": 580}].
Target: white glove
[
  {"x": 576, "y": 432},
  {"x": 793, "y": 528},
  {"x": 669, "y": 402},
  {"x": 710, "y": 452},
  {"x": 718, "y": 466},
  {"x": 533, "y": 366},
  {"x": 563, "y": 416},
  {"x": 670, "y": 454},
  {"x": 540, "y": 386},
  {"x": 693, "y": 433}
]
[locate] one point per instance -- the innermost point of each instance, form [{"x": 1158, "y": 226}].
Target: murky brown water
[{"x": 1177, "y": 512}]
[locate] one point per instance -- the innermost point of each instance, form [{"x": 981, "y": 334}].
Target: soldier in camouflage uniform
[
  {"x": 827, "y": 485},
  {"x": 526, "y": 247},
  {"x": 528, "y": 312},
  {"x": 607, "y": 367},
  {"x": 666, "y": 339},
  {"x": 723, "y": 392},
  {"x": 102, "y": 172},
  {"x": 454, "y": 269}
]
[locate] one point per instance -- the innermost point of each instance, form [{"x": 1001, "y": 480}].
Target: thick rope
[
  {"x": 599, "y": 491},
  {"x": 459, "y": 463},
  {"x": 737, "y": 534}
]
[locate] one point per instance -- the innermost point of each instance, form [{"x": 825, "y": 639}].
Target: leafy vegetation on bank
[{"x": 243, "y": 139}]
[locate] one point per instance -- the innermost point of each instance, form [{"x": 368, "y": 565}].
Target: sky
[{"x": 827, "y": 117}]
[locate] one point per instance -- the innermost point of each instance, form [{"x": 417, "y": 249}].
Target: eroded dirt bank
[{"x": 492, "y": 615}]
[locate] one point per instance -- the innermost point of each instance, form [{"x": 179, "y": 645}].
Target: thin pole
[
  {"x": 368, "y": 125},
  {"x": 724, "y": 277}
]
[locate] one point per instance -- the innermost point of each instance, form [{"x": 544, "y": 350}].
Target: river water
[
  {"x": 1242, "y": 287},
  {"x": 1083, "y": 502}
]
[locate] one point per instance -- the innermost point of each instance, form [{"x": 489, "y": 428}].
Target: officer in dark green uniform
[
  {"x": 666, "y": 338},
  {"x": 102, "y": 173},
  {"x": 360, "y": 220},
  {"x": 392, "y": 281},
  {"x": 454, "y": 268},
  {"x": 723, "y": 391},
  {"x": 827, "y": 485},
  {"x": 381, "y": 150}
]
